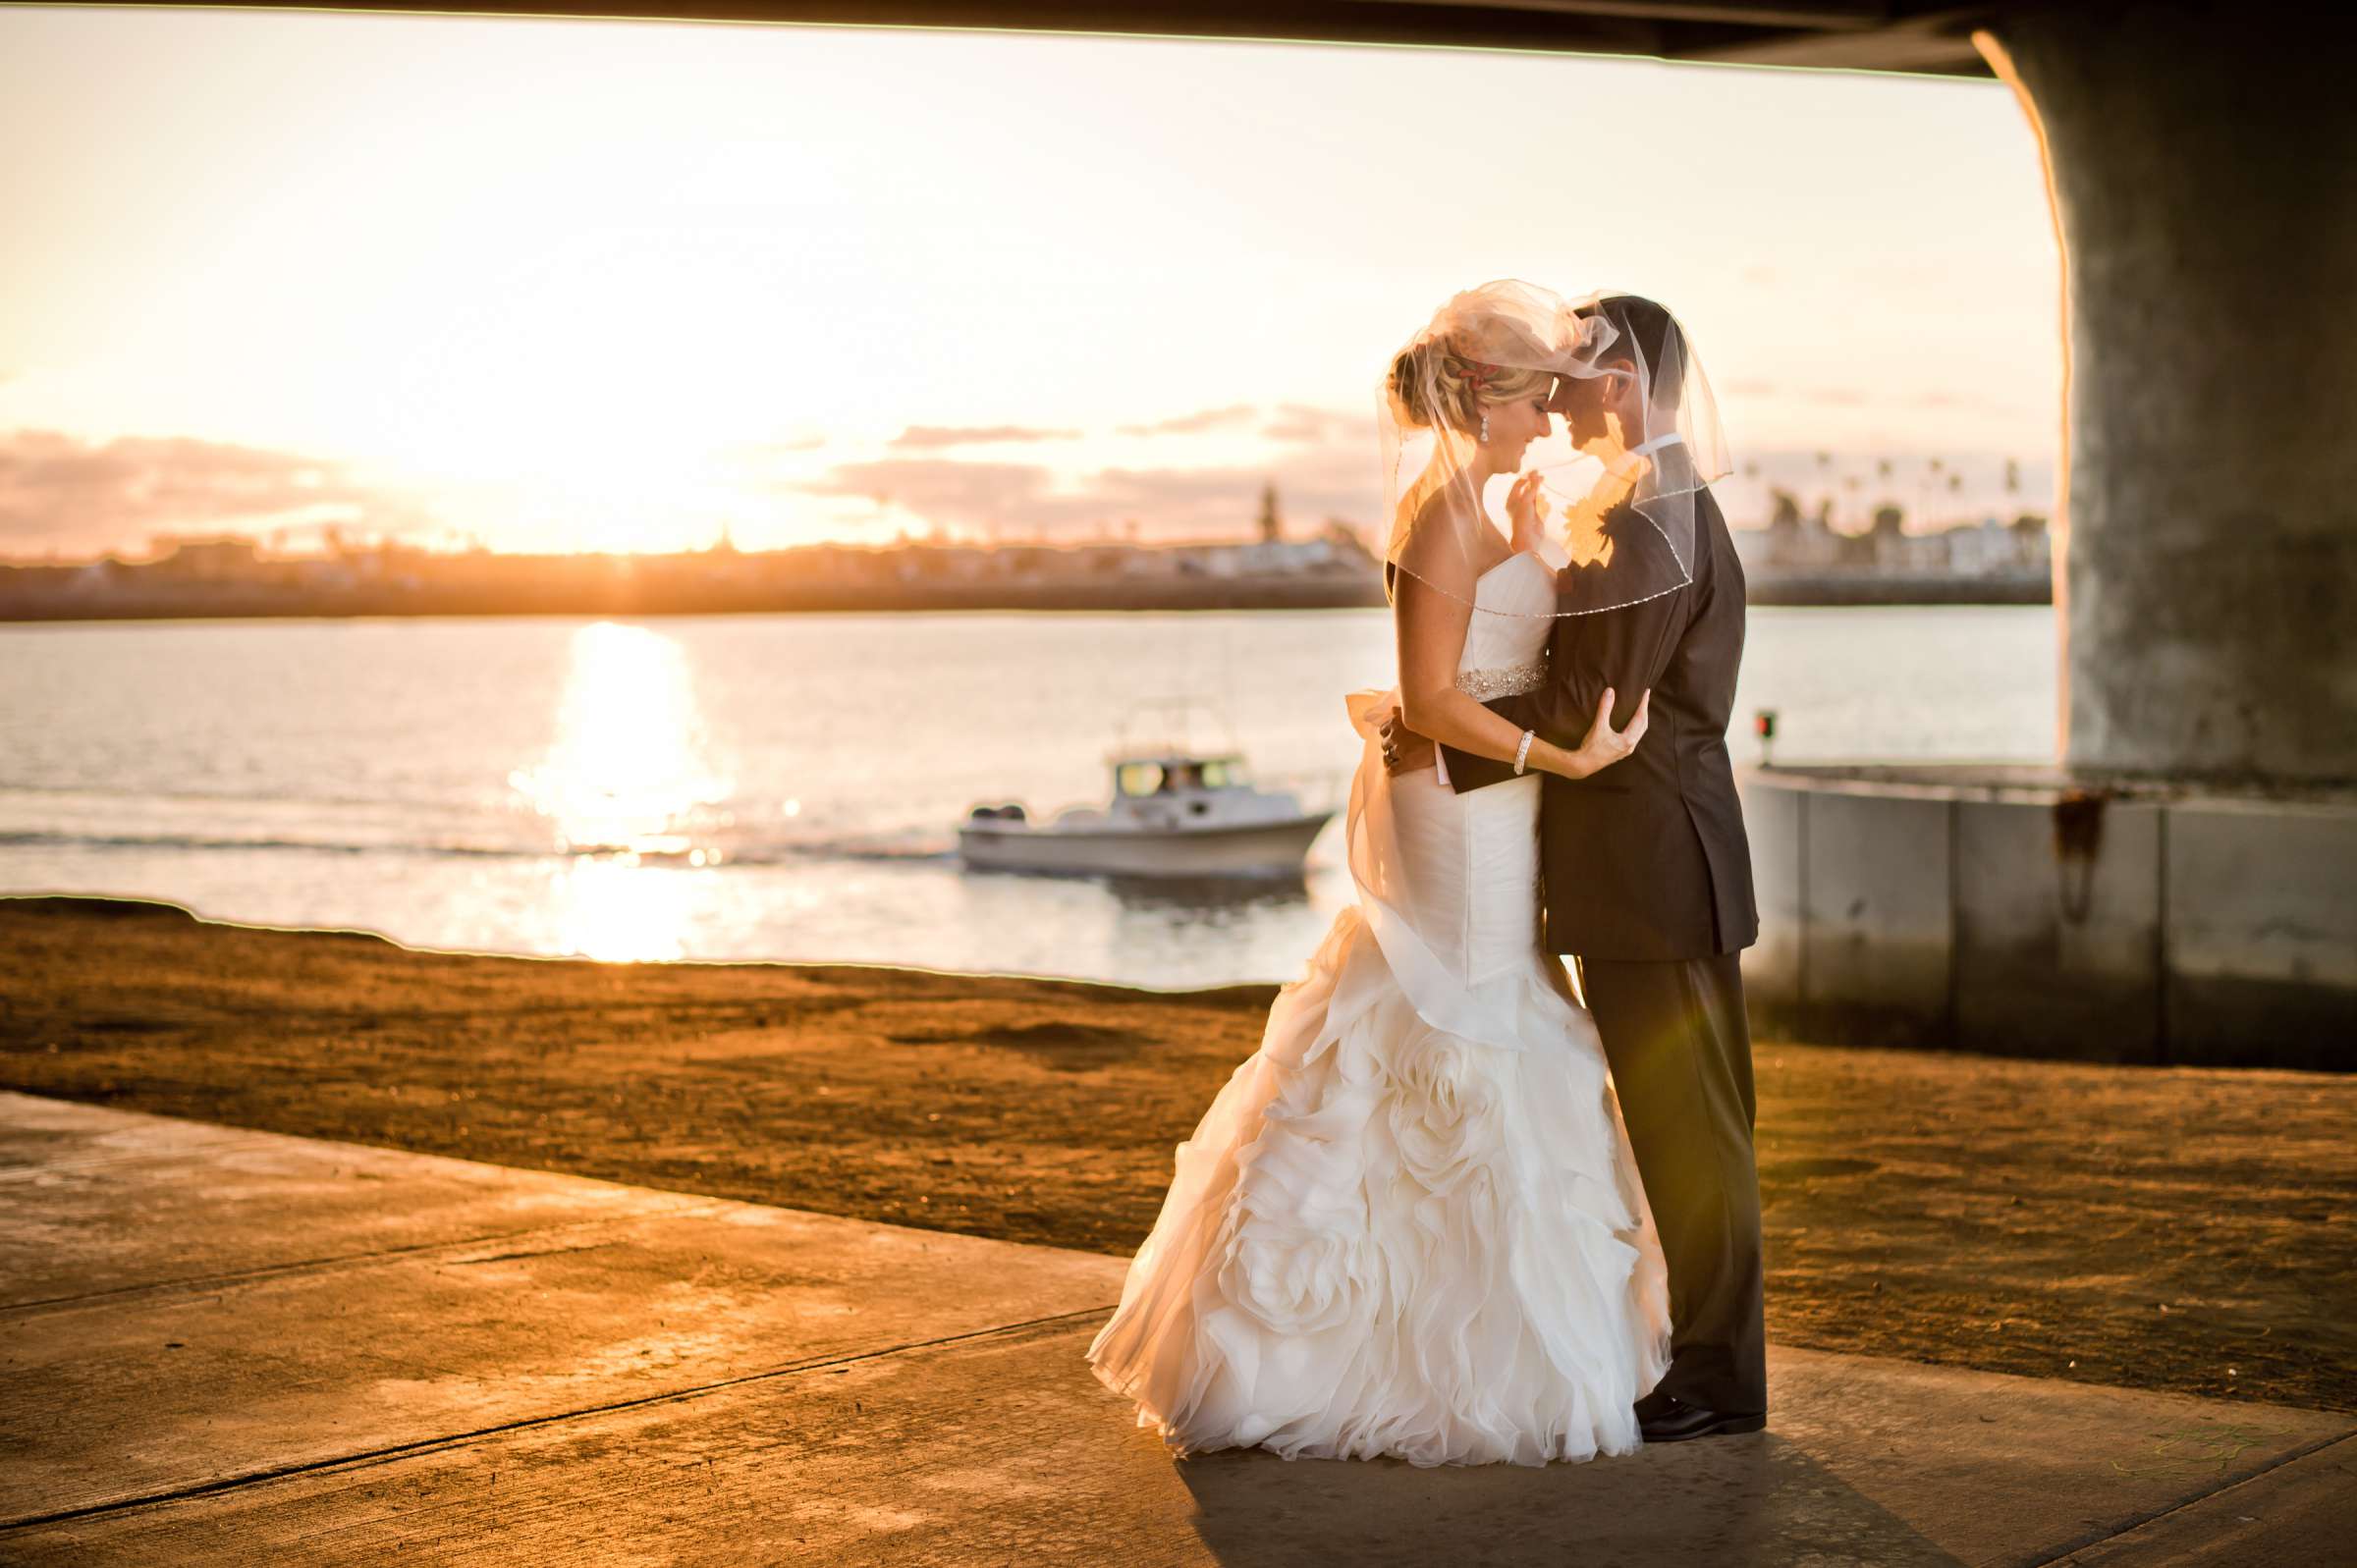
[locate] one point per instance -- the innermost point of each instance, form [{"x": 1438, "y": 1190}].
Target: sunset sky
[{"x": 577, "y": 284}]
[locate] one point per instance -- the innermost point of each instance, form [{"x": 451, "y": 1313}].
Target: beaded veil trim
[{"x": 1482, "y": 685}]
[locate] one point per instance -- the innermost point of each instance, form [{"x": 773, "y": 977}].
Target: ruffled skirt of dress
[{"x": 1386, "y": 1238}]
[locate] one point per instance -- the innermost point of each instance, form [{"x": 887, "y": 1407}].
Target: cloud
[
  {"x": 60, "y": 491},
  {"x": 1029, "y": 500},
  {"x": 1819, "y": 397},
  {"x": 1975, "y": 403},
  {"x": 1301, "y": 422},
  {"x": 1189, "y": 425},
  {"x": 926, "y": 438},
  {"x": 1855, "y": 398},
  {"x": 939, "y": 490}
]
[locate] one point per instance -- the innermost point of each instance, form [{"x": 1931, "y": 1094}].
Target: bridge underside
[{"x": 1931, "y": 38}]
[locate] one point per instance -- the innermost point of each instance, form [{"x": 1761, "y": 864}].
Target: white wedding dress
[{"x": 1411, "y": 1223}]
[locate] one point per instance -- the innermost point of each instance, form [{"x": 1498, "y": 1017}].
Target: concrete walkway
[{"x": 235, "y": 1348}]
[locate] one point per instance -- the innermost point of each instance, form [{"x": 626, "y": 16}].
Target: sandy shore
[{"x": 2187, "y": 1230}]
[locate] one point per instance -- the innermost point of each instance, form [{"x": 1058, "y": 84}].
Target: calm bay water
[{"x": 786, "y": 787}]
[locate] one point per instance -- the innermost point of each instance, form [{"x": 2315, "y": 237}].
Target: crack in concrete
[
  {"x": 2053, "y": 1556},
  {"x": 397, "y": 1451},
  {"x": 530, "y": 1252}
]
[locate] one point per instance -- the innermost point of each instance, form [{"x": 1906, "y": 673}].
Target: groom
[{"x": 1648, "y": 879}]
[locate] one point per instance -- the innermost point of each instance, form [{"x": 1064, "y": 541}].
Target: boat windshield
[{"x": 1175, "y": 774}]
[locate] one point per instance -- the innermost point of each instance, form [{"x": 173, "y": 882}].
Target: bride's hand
[
  {"x": 1604, "y": 745},
  {"x": 1527, "y": 511},
  {"x": 1585, "y": 520}
]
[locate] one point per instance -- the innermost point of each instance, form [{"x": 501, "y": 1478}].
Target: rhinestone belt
[{"x": 1484, "y": 685}]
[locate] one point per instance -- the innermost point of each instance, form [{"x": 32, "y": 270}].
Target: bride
[{"x": 1411, "y": 1223}]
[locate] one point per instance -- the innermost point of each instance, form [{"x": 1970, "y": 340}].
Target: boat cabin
[
  {"x": 1142, "y": 775},
  {"x": 1172, "y": 812}
]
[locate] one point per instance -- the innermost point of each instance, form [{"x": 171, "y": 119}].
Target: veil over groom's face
[
  {"x": 1638, "y": 395},
  {"x": 1595, "y": 409}
]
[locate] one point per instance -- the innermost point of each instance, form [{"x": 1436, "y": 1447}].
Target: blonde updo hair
[{"x": 1430, "y": 373}]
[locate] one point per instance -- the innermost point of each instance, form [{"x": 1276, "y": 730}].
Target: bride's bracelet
[{"x": 1523, "y": 751}]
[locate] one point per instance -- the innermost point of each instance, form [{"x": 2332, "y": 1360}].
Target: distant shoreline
[
  {"x": 1832, "y": 589},
  {"x": 622, "y": 599}
]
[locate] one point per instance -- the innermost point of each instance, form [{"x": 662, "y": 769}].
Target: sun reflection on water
[{"x": 627, "y": 795}]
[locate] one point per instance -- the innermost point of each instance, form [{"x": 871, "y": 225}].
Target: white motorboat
[{"x": 1173, "y": 814}]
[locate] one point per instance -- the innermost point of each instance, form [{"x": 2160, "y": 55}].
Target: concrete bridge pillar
[{"x": 2203, "y": 166}]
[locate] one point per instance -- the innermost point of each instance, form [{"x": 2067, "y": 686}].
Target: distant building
[
  {"x": 1792, "y": 540},
  {"x": 1989, "y": 546},
  {"x": 192, "y": 558},
  {"x": 944, "y": 564},
  {"x": 1894, "y": 548},
  {"x": 1795, "y": 544},
  {"x": 1279, "y": 558}
]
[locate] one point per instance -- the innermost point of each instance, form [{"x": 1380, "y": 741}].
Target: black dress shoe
[
  {"x": 1655, "y": 1402},
  {"x": 1672, "y": 1420}
]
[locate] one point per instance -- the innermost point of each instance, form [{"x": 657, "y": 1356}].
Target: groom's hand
[{"x": 1403, "y": 750}]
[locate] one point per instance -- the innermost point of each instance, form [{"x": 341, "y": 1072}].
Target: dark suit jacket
[{"x": 1646, "y": 859}]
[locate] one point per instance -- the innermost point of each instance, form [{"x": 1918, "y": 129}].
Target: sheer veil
[
  {"x": 1631, "y": 440},
  {"x": 1632, "y": 437}
]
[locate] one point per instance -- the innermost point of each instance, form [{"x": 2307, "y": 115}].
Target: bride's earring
[{"x": 1485, "y": 425}]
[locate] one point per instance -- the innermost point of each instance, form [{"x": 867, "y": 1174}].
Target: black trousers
[{"x": 1680, "y": 1053}]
